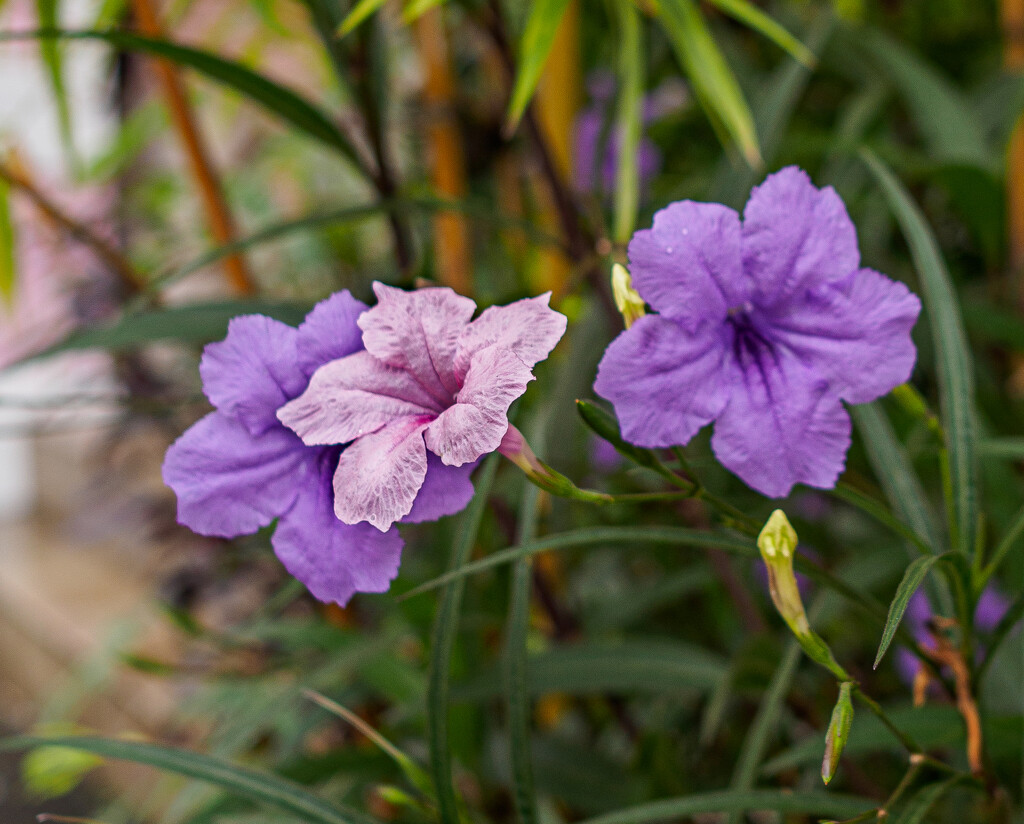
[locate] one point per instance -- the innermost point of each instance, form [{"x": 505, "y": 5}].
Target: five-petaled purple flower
[
  {"x": 432, "y": 383},
  {"x": 238, "y": 468},
  {"x": 764, "y": 326}
]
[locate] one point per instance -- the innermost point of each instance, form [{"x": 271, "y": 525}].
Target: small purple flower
[
  {"x": 764, "y": 326},
  {"x": 432, "y": 386},
  {"x": 238, "y": 469}
]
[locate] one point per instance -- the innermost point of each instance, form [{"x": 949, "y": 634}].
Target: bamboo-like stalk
[
  {"x": 1013, "y": 58},
  {"x": 221, "y": 224},
  {"x": 447, "y": 159},
  {"x": 17, "y": 177}
]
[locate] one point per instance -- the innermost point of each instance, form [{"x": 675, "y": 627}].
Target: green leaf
[
  {"x": 912, "y": 579},
  {"x": 445, "y": 630},
  {"x": 276, "y": 99},
  {"x": 926, "y": 798},
  {"x": 603, "y": 424},
  {"x": 892, "y": 466},
  {"x": 538, "y": 38},
  {"x": 254, "y": 785},
  {"x": 361, "y": 12},
  {"x": 955, "y": 368},
  {"x": 612, "y": 535},
  {"x": 942, "y": 114},
  {"x": 48, "y": 12},
  {"x": 193, "y": 323},
  {"x": 628, "y": 120},
  {"x": 8, "y": 267},
  {"x": 751, "y": 16},
  {"x": 781, "y": 801},
  {"x": 628, "y": 666},
  {"x": 713, "y": 81},
  {"x": 415, "y": 9}
]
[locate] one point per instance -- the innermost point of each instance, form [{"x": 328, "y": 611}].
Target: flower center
[{"x": 749, "y": 343}]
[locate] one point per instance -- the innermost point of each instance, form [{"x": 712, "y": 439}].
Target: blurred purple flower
[
  {"x": 238, "y": 469},
  {"x": 992, "y": 606},
  {"x": 430, "y": 381},
  {"x": 765, "y": 326}
]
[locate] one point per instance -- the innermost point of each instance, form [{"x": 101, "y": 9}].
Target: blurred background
[{"x": 249, "y": 155}]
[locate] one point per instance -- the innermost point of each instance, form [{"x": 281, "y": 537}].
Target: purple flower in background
[
  {"x": 764, "y": 326},
  {"x": 432, "y": 386},
  {"x": 992, "y": 606},
  {"x": 238, "y": 469}
]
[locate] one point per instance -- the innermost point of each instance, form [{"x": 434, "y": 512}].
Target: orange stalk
[
  {"x": 448, "y": 167},
  {"x": 221, "y": 225},
  {"x": 1013, "y": 57}
]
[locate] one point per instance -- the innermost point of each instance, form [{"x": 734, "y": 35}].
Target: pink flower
[{"x": 430, "y": 378}]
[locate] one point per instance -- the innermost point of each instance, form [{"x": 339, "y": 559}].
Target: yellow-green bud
[
  {"x": 838, "y": 732},
  {"x": 777, "y": 543},
  {"x": 628, "y": 301}
]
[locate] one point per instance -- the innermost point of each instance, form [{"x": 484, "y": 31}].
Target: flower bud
[
  {"x": 514, "y": 447},
  {"x": 838, "y": 732},
  {"x": 628, "y": 301},
  {"x": 777, "y": 543}
]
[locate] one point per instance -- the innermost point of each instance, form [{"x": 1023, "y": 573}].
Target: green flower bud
[
  {"x": 628, "y": 301},
  {"x": 838, "y": 732}
]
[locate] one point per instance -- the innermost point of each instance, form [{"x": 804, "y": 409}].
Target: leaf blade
[
  {"x": 538, "y": 39},
  {"x": 912, "y": 578}
]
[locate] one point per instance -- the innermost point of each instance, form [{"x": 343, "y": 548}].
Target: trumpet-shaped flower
[
  {"x": 432, "y": 384},
  {"x": 765, "y": 326},
  {"x": 238, "y": 469}
]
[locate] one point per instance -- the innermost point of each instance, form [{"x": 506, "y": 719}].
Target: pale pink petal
[
  {"x": 253, "y": 371},
  {"x": 352, "y": 397},
  {"x": 380, "y": 474},
  {"x": 418, "y": 331},
  {"x": 529, "y": 328},
  {"x": 476, "y": 424}
]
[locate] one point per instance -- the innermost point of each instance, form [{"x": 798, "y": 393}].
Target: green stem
[
  {"x": 908, "y": 743},
  {"x": 1001, "y": 551}
]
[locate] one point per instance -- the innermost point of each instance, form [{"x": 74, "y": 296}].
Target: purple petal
[
  {"x": 334, "y": 560},
  {"x": 253, "y": 371},
  {"x": 418, "y": 331},
  {"x": 230, "y": 482},
  {"x": 476, "y": 424},
  {"x": 379, "y": 475},
  {"x": 664, "y": 383},
  {"x": 796, "y": 235},
  {"x": 992, "y": 606},
  {"x": 352, "y": 397},
  {"x": 528, "y": 328},
  {"x": 688, "y": 266},
  {"x": 445, "y": 491},
  {"x": 782, "y": 426},
  {"x": 330, "y": 331},
  {"x": 855, "y": 334}
]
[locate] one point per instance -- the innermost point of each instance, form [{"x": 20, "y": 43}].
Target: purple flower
[
  {"x": 433, "y": 386},
  {"x": 764, "y": 326},
  {"x": 238, "y": 469}
]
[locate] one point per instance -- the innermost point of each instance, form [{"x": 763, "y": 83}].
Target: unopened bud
[
  {"x": 838, "y": 732},
  {"x": 628, "y": 301},
  {"x": 777, "y": 543},
  {"x": 514, "y": 447}
]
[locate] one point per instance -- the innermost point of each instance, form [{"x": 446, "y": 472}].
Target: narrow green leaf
[
  {"x": 275, "y": 98},
  {"x": 538, "y": 38},
  {"x": 603, "y": 424},
  {"x": 8, "y": 266},
  {"x": 445, "y": 630},
  {"x": 254, "y": 785},
  {"x": 912, "y": 579},
  {"x": 713, "y": 81},
  {"x": 781, "y": 801},
  {"x": 926, "y": 798},
  {"x": 751, "y": 16},
  {"x": 611, "y": 535},
  {"x": 892, "y": 466},
  {"x": 628, "y": 120},
  {"x": 955, "y": 368},
  {"x": 192, "y": 323},
  {"x": 48, "y": 12},
  {"x": 361, "y": 12},
  {"x": 942, "y": 114},
  {"x": 415, "y": 9},
  {"x": 1007, "y": 448}
]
